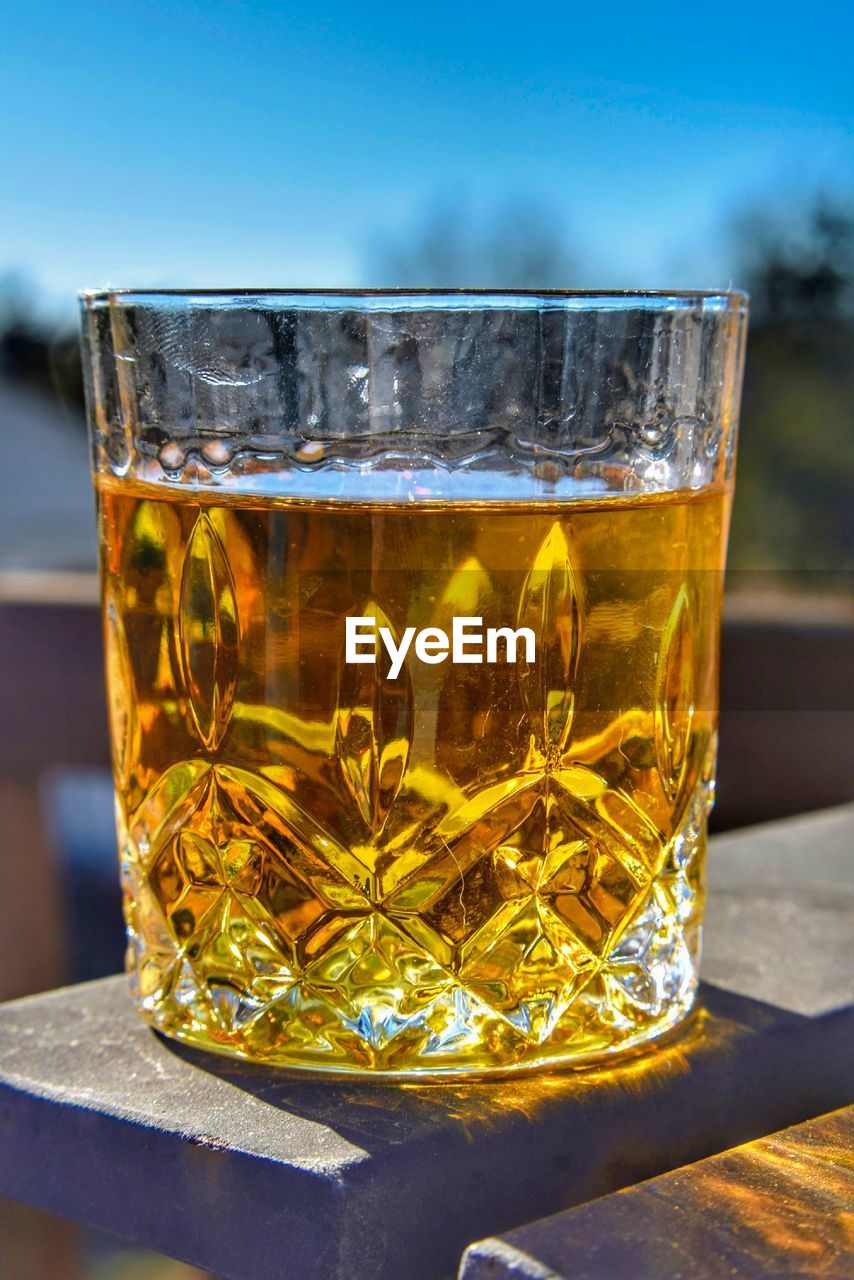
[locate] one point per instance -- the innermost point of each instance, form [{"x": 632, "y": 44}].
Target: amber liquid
[{"x": 471, "y": 866}]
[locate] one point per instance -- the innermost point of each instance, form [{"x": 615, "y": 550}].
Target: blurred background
[{"x": 232, "y": 142}]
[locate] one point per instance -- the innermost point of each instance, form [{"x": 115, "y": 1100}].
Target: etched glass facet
[{"x": 470, "y": 835}]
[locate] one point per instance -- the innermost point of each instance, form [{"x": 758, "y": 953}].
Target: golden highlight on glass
[{"x": 473, "y": 865}]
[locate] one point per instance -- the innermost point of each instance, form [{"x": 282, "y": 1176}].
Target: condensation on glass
[{"x": 468, "y": 865}]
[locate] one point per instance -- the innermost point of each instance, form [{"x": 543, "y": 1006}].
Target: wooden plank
[
  {"x": 249, "y": 1172},
  {"x": 782, "y": 1206}
]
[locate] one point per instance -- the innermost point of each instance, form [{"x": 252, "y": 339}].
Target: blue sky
[{"x": 274, "y": 144}]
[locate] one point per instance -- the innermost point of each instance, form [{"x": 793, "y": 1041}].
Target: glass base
[
  {"x": 583, "y": 1052},
  {"x": 381, "y": 1009}
]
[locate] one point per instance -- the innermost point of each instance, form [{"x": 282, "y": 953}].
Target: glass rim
[{"x": 427, "y": 298}]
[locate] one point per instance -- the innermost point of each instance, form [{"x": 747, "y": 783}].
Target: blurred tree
[
  {"x": 43, "y": 355},
  {"x": 522, "y": 247},
  {"x": 794, "y": 508}
]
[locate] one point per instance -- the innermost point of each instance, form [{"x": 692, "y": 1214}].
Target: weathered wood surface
[
  {"x": 249, "y": 1173},
  {"x": 779, "y": 1207},
  {"x": 780, "y": 913}
]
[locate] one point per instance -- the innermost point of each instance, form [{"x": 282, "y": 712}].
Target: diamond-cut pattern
[
  {"x": 540, "y": 915},
  {"x": 247, "y": 948},
  {"x": 528, "y": 967}
]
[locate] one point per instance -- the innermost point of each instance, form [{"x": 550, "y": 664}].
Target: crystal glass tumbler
[{"x": 411, "y": 608}]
